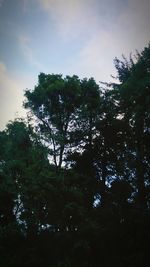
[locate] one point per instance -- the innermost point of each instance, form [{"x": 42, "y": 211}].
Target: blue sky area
[{"x": 79, "y": 37}]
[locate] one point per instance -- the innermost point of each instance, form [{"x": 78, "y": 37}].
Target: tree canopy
[{"x": 74, "y": 177}]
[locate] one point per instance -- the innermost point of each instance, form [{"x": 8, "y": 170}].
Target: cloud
[
  {"x": 2, "y": 67},
  {"x": 107, "y": 28},
  {"x": 28, "y": 53},
  {"x": 130, "y": 31},
  {"x": 11, "y": 96},
  {"x": 74, "y": 18},
  {"x": 135, "y": 23},
  {"x": 96, "y": 57},
  {"x": 71, "y": 17}
]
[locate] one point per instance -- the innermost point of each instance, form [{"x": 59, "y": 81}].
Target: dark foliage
[{"x": 74, "y": 178}]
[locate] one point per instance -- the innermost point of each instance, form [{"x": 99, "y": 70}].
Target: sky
[{"x": 80, "y": 37}]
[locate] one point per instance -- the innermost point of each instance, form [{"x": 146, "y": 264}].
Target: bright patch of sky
[{"x": 79, "y": 37}]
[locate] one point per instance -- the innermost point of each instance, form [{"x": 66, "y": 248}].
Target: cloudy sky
[{"x": 79, "y": 37}]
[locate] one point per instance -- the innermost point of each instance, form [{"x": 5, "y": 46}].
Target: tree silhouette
[{"x": 74, "y": 177}]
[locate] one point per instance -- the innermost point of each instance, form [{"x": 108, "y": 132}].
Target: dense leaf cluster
[{"x": 74, "y": 178}]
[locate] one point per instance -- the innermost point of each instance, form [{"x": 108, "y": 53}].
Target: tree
[
  {"x": 74, "y": 181},
  {"x": 54, "y": 102},
  {"x": 133, "y": 93}
]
